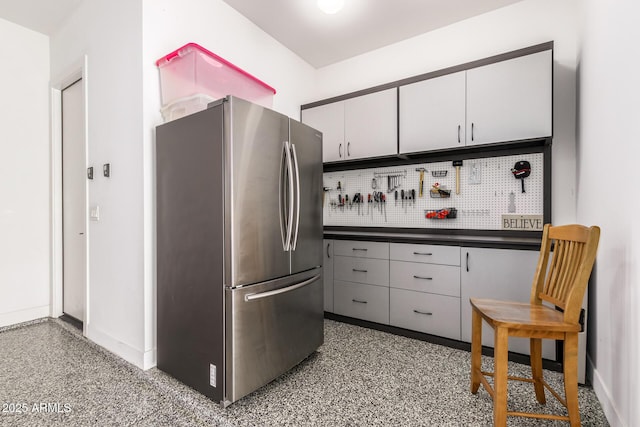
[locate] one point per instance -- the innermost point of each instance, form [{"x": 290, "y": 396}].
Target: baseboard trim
[
  {"x": 604, "y": 396},
  {"x": 120, "y": 349},
  {"x": 150, "y": 359},
  {"x": 21, "y": 316}
]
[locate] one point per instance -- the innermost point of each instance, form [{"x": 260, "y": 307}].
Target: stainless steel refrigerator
[{"x": 239, "y": 247}]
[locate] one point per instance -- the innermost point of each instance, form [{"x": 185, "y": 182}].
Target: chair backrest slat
[{"x": 569, "y": 267}]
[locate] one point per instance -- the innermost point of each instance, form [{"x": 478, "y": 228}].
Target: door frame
[{"x": 77, "y": 71}]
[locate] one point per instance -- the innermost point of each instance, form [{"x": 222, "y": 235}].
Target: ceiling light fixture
[{"x": 330, "y": 6}]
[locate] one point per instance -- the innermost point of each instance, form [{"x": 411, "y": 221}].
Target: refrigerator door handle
[
  {"x": 251, "y": 297},
  {"x": 285, "y": 220},
  {"x": 291, "y": 195},
  {"x": 297, "y": 197}
]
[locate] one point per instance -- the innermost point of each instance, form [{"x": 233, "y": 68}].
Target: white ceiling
[
  {"x": 318, "y": 38},
  {"x": 43, "y": 16},
  {"x": 362, "y": 26}
]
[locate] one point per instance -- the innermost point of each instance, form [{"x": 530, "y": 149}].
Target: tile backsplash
[{"x": 488, "y": 189}]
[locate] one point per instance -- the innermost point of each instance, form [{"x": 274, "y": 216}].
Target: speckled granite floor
[{"x": 359, "y": 377}]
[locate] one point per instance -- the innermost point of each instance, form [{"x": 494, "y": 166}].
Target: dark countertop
[{"x": 453, "y": 239}]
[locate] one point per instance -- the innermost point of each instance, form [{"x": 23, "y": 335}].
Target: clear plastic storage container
[
  {"x": 184, "y": 106},
  {"x": 192, "y": 74}
]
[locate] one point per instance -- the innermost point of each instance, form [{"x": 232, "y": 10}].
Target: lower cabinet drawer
[
  {"x": 361, "y": 270},
  {"x": 366, "y": 302},
  {"x": 424, "y": 312},
  {"x": 432, "y": 278}
]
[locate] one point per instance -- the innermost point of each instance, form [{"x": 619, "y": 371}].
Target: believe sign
[{"x": 522, "y": 222}]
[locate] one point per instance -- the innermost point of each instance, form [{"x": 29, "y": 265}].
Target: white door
[{"x": 74, "y": 223}]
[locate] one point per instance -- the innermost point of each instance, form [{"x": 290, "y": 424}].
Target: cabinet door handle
[
  {"x": 340, "y": 150},
  {"x": 348, "y": 149},
  {"x": 423, "y": 278},
  {"x": 458, "y": 134},
  {"x": 359, "y": 271},
  {"x": 426, "y": 313},
  {"x": 472, "y": 131},
  {"x": 423, "y": 253},
  {"x": 359, "y": 249},
  {"x": 467, "y": 261},
  {"x": 358, "y": 301},
  {"x": 328, "y": 254}
]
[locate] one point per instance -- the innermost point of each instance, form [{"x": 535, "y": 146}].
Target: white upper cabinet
[
  {"x": 328, "y": 119},
  {"x": 510, "y": 100},
  {"x": 360, "y": 127},
  {"x": 371, "y": 124},
  {"x": 432, "y": 114}
]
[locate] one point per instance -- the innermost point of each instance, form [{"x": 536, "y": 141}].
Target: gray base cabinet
[
  {"x": 502, "y": 274},
  {"x": 426, "y": 288},
  {"x": 362, "y": 301},
  {"x": 361, "y": 280},
  {"x": 327, "y": 274},
  {"x": 429, "y": 313}
]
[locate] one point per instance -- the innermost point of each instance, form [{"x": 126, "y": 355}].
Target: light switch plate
[{"x": 94, "y": 214}]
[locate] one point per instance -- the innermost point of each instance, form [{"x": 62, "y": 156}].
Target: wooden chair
[{"x": 560, "y": 280}]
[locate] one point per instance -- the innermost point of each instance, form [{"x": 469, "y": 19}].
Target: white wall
[
  {"x": 608, "y": 196},
  {"x": 520, "y": 25},
  {"x": 122, "y": 40},
  {"x": 24, "y": 175},
  {"x": 170, "y": 24},
  {"x": 109, "y": 33}
]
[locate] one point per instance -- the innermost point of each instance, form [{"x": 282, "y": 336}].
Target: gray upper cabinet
[
  {"x": 432, "y": 114},
  {"x": 371, "y": 124},
  {"x": 356, "y": 128},
  {"x": 328, "y": 119},
  {"x": 510, "y": 100},
  {"x": 503, "y": 101}
]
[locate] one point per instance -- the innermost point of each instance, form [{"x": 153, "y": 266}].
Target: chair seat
[{"x": 522, "y": 316}]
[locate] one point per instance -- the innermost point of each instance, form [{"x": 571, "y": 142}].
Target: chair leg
[
  {"x": 501, "y": 358},
  {"x": 536, "y": 368},
  {"x": 571, "y": 377},
  {"x": 476, "y": 350}
]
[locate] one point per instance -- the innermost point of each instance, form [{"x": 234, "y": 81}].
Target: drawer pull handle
[
  {"x": 360, "y": 249},
  {"x": 423, "y": 312},
  {"x": 359, "y": 271},
  {"x": 358, "y": 301},
  {"x": 423, "y": 278},
  {"x": 422, "y": 253}
]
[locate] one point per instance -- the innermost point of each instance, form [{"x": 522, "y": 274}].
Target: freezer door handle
[
  {"x": 251, "y": 297},
  {"x": 297, "y": 197}
]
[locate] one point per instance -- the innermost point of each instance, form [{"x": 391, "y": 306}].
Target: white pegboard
[{"x": 488, "y": 190}]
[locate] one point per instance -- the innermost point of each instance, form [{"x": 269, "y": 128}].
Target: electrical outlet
[{"x": 475, "y": 173}]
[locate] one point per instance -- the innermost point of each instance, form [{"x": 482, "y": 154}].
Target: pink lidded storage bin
[{"x": 193, "y": 70}]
